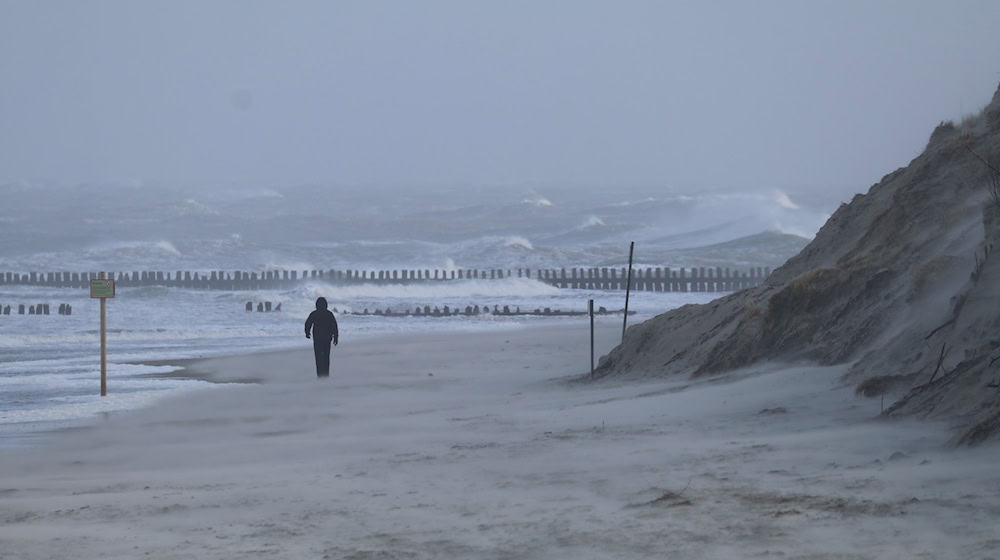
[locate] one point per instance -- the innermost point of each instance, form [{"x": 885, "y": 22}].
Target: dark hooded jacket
[{"x": 322, "y": 322}]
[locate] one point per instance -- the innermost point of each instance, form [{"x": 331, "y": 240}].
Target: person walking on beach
[{"x": 323, "y": 325}]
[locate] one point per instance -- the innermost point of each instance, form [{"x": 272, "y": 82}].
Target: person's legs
[
  {"x": 326, "y": 360},
  {"x": 322, "y": 351}
]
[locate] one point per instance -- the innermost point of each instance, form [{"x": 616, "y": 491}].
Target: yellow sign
[{"x": 102, "y": 288}]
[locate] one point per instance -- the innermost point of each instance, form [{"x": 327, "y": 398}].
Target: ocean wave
[
  {"x": 592, "y": 221},
  {"x": 627, "y": 203},
  {"x": 446, "y": 289},
  {"x": 518, "y": 241},
  {"x": 784, "y": 201},
  {"x": 191, "y": 207},
  {"x": 152, "y": 248},
  {"x": 538, "y": 202},
  {"x": 249, "y": 193},
  {"x": 278, "y": 262},
  {"x": 778, "y": 227}
]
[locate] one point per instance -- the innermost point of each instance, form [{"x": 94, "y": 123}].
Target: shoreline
[
  {"x": 227, "y": 368},
  {"x": 217, "y": 369}
]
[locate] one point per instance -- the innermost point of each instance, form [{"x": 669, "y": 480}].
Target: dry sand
[{"x": 473, "y": 446}]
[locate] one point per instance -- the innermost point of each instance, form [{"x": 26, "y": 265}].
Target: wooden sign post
[
  {"x": 590, "y": 308},
  {"x": 103, "y": 288}
]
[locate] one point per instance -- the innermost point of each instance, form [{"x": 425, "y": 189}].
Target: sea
[{"x": 50, "y": 364}]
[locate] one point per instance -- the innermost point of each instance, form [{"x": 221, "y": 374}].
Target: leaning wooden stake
[
  {"x": 628, "y": 287},
  {"x": 590, "y": 307}
]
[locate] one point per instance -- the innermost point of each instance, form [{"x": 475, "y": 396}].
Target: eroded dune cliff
[{"x": 900, "y": 283}]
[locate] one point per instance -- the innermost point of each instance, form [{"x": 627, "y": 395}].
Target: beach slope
[{"x": 486, "y": 445}]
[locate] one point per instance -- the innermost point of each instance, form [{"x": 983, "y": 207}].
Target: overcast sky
[{"x": 799, "y": 95}]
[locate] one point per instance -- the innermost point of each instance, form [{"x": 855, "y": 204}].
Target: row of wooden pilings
[
  {"x": 473, "y": 310},
  {"x": 37, "y": 309},
  {"x": 658, "y": 279}
]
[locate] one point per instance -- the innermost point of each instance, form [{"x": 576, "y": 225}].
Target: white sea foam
[
  {"x": 178, "y": 332},
  {"x": 537, "y": 201},
  {"x": 784, "y": 201},
  {"x": 592, "y": 221},
  {"x": 150, "y": 248},
  {"x": 627, "y": 203},
  {"x": 47, "y": 374},
  {"x": 167, "y": 247},
  {"x": 450, "y": 289},
  {"x": 518, "y": 241},
  {"x": 276, "y": 263},
  {"x": 192, "y": 207},
  {"x": 250, "y": 193},
  {"x": 127, "y": 395},
  {"x": 792, "y": 230}
]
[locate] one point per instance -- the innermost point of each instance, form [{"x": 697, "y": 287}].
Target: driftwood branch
[
  {"x": 994, "y": 187},
  {"x": 982, "y": 159},
  {"x": 944, "y": 352},
  {"x": 933, "y": 332}
]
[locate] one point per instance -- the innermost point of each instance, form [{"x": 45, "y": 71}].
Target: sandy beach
[{"x": 485, "y": 445}]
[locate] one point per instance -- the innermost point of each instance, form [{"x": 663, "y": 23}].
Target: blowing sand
[{"x": 478, "y": 446}]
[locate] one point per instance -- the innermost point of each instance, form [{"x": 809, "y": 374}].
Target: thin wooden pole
[
  {"x": 628, "y": 288},
  {"x": 590, "y": 307},
  {"x": 104, "y": 345}
]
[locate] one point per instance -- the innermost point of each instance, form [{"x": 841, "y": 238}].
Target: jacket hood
[{"x": 321, "y": 304}]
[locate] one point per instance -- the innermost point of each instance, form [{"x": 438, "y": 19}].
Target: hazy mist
[{"x": 815, "y": 98}]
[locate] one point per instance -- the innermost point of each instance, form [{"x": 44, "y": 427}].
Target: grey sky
[{"x": 803, "y": 96}]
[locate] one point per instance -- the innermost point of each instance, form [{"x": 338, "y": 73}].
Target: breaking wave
[
  {"x": 518, "y": 241},
  {"x": 592, "y": 221},
  {"x": 451, "y": 289}
]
